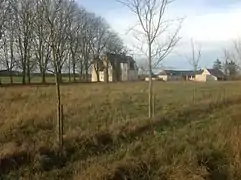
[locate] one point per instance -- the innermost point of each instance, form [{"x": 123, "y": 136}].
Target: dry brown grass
[{"x": 195, "y": 134}]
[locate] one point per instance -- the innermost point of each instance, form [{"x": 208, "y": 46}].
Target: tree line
[
  {"x": 230, "y": 63},
  {"x": 52, "y": 36},
  {"x": 229, "y": 67}
]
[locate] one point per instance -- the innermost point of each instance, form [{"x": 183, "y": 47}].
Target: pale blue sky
[
  {"x": 105, "y": 5},
  {"x": 213, "y": 24}
]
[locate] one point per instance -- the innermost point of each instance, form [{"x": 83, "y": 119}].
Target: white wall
[
  {"x": 205, "y": 76},
  {"x": 126, "y": 74},
  {"x": 191, "y": 78},
  {"x": 206, "y": 72},
  {"x": 124, "y": 71},
  {"x": 93, "y": 74},
  {"x": 154, "y": 79},
  {"x": 170, "y": 78},
  {"x": 200, "y": 78},
  {"x": 110, "y": 74},
  {"x": 133, "y": 75},
  {"x": 101, "y": 76},
  {"x": 163, "y": 77}
]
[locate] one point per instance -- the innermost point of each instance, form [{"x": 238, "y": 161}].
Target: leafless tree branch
[
  {"x": 150, "y": 15},
  {"x": 195, "y": 57}
]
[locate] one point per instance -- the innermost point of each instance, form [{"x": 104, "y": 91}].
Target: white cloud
[
  {"x": 212, "y": 25},
  {"x": 208, "y": 29}
]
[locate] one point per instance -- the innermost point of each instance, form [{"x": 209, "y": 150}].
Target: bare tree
[
  {"x": 52, "y": 9},
  {"x": 24, "y": 18},
  {"x": 150, "y": 14},
  {"x": 88, "y": 35},
  {"x": 143, "y": 67},
  {"x": 9, "y": 45},
  {"x": 226, "y": 61},
  {"x": 104, "y": 41},
  {"x": 115, "y": 44},
  {"x": 101, "y": 35},
  {"x": 76, "y": 28},
  {"x": 69, "y": 64},
  {"x": 194, "y": 58},
  {"x": 4, "y": 7},
  {"x": 232, "y": 59},
  {"x": 59, "y": 26},
  {"x": 41, "y": 40},
  {"x": 7, "y": 56},
  {"x": 35, "y": 26},
  {"x": 57, "y": 14},
  {"x": 236, "y": 52}
]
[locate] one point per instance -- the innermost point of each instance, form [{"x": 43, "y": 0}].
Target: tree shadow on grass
[{"x": 216, "y": 164}]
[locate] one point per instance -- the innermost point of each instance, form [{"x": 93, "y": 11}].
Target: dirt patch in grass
[{"x": 216, "y": 164}]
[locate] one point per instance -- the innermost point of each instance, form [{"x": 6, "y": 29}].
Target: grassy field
[
  {"x": 195, "y": 134},
  {"x": 34, "y": 79}
]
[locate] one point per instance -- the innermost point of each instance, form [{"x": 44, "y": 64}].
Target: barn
[{"x": 210, "y": 75}]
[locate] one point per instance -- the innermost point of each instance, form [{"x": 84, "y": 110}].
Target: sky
[{"x": 212, "y": 24}]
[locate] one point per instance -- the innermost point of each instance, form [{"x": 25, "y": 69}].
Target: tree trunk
[
  {"x": 59, "y": 128},
  {"x": 24, "y": 74},
  {"x": 60, "y": 76},
  {"x": 59, "y": 123},
  {"x": 86, "y": 75},
  {"x": 150, "y": 83},
  {"x": 28, "y": 72},
  {"x": 11, "y": 76},
  {"x": 12, "y": 59},
  {"x": 81, "y": 74},
  {"x": 69, "y": 69},
  {"x": 69, "y": 75},
  {"x": 106, "y": 75},
  {"x": 73, "y": 65},
  {"x": 98, "y": 76},
  {"x": 43, "y": 77},
  {"x": 74, "y": 72},
  {"x": 86, "y": 72}
]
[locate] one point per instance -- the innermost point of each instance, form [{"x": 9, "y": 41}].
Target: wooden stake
[
  {"x": 153, "y": 105},
  {"x": 61, "y": 125}
]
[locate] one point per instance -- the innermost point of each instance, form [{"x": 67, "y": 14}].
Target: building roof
[
  {"x": 153, "y": 75},
  {"x": 115, "y": 59},
  {"x": 121, "y": 58},
  {"x": 180, "y": 73},
  {"x": 6, "y": 72},
  {"x": 216, "y": 72}
]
